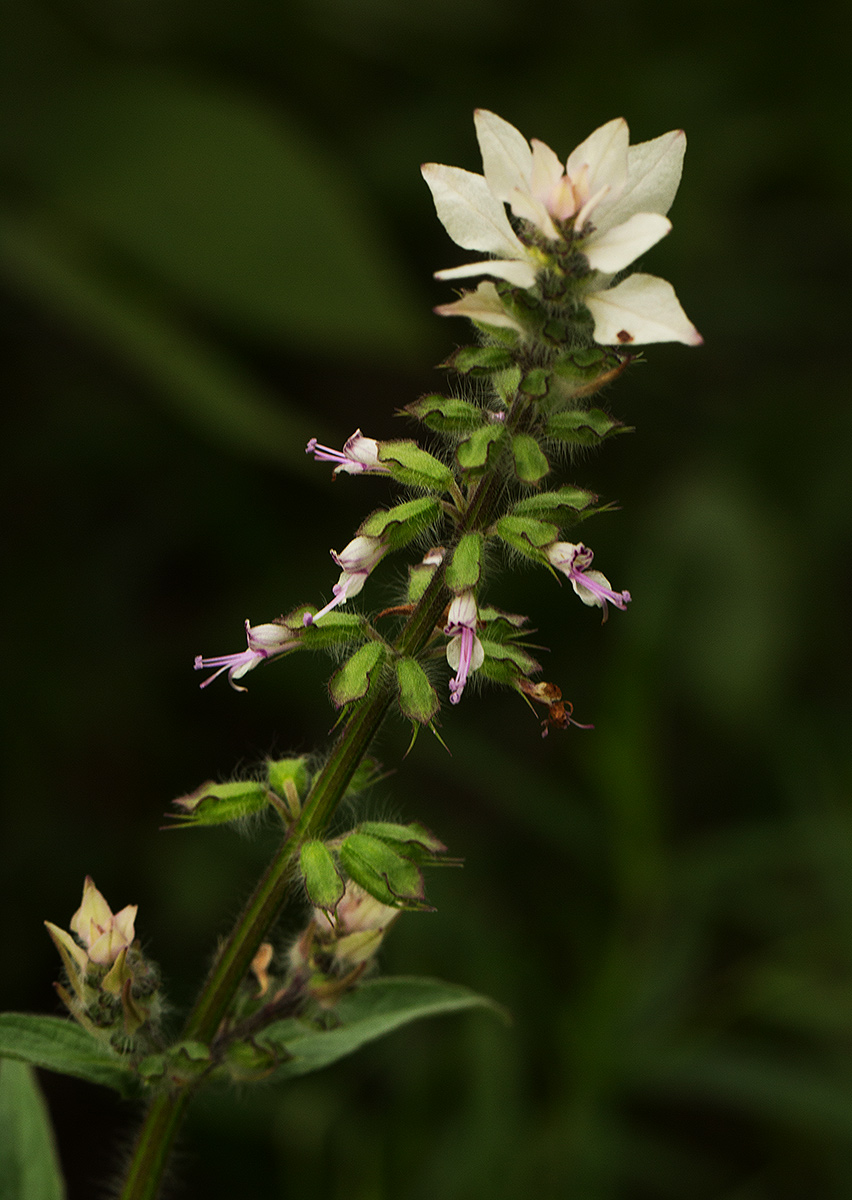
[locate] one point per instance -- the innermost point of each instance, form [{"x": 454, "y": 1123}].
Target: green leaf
[
  {"x": 446, "y": 414},
  {"x": 465, "y": 566},
  {"x": 527, "y": 535},
  {"x": 371, "y": 1011},
  {"x": 402, "y": 523},
  {"x": 227, "y": 201},
  {"x": 565, "y": 506},
  {"x": 480, "y": 360},
  {"x": 217, "y": 803},
  {"x": 62, "y": 1045},
  {"x": 480, "y": 448},
  {"x": 530, "y": 463},
  {"x": 580, "y": 428},
  {"x": 323, "y": 881},
  {"x": 414, "y": 467},
  {"x": 382, "y": 871},
  {"x": 29, "y": 1164},
  {"x": 353, "y": 679},
  {"x": 417, "y": 698}
]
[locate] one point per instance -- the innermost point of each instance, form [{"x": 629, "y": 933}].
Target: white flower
[
  {"x": 356, "y": 561},
  {"x": 464, "y": 651},
  {"x": 608, "y": 202},
  {"x": 574, "y": 559},
  {"x": 359, "y": 454},
  {"x": 262, "y": 642}
]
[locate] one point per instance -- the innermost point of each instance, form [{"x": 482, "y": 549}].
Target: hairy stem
[{"x": 233, "y": 961}]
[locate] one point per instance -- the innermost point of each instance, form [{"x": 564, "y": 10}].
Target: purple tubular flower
[
  {"x": 464, "y": 652},
  {"x": 593, "y": 587},
  {"x": 356, "y": 561},
  {"x": 262, "y": 642},
  {"x": 359, "y": 454}
]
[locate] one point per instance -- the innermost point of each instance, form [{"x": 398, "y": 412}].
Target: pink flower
[
  {"x": 464, "y": 652},
  {"x": 262, "y": 642},
  {"x": 359, "y": 454},
  {"x": 357, "y": 561},
  {"x": 593, "y": 588}
]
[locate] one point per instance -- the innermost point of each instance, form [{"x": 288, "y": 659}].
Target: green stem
[
  {"x": 233, "y": 961},
  {"x": 235, "y": 956}
]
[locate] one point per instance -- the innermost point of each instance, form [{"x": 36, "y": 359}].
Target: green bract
[
  {"x": 465, "y": 565},
  {"x": 583, "y": 428},
  {"x": 399, "y": 525},
  {"x": 531, "y": 466},
  {"x": 414, "y": 467},
  {"x": 383, "y": 871},
  {"x": 217, "y": 803},
  {"x": 446, "y": 414},
  {"x": 527, "y": 535},
  {"x": 480, "y": 449}
]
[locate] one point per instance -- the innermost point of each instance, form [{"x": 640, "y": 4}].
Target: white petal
[
  {"x": 530, "y": 209},
  {"x": 547, "y": 170},
  {"x": 483, "y": 305},
  {"x": 477, "y": 657},
  {"x": 454, "y": 652},
  {"x": 641, "y": 309},
  {"x": 653, "y": 174},
  {"x": 618, "y": 247},
  {"x": 521, "y": 274},
  {"x": 471, "y": 215},
  {"x": 605, "y": 154},
  {"x": 506, "y": 156}
]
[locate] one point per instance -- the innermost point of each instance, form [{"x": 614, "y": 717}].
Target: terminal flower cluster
[{"x": 588, "y": 219}]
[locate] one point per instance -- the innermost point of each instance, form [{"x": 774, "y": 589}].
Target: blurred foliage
[{"x": 215, "y": 243}]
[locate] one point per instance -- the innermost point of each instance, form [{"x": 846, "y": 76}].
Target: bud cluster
[{"x": 113, "y": 989}]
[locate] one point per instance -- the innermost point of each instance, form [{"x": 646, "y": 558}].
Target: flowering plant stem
[{"x": 166, "y": 1112}]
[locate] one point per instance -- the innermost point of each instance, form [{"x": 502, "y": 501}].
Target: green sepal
[
  {"x": 417, "y": 698},
  {"x": 419, "y": 842},
  {"x": 565, "y": 506},
  {"x": 399, "y": 525},
  {"x": 504, "y": 662},
  {"x": 465, "y": 566},
  {"x": 479, "y": 360},
  {"x": 530, "y": 462},
  {"x": 527, "y": 535},
  {"x": 479, "y": 449},
  {"x": 536, "y": 382},
  {"x": 251, "y": 1061},
  {"x": 446, "y": 414},
  {"x": 382, "y": 871},
  {"x": 29, "y": 1164},
  {"x": 281, "y": 772},
  {"x": 500, "y": 624},
  {"x": 323, "y": 882},
  {"x": 334, "y": 629},
  {"x": 583, "y": 428},
  {"x": 218, "y": 803},
  {"x": 353, "y": 679},
  {"x": 409, "y": 464},
  {"x": 582, "y": 373}
]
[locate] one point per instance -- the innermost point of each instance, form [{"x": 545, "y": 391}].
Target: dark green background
[{"x": 216, "y": 242}]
